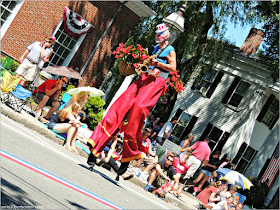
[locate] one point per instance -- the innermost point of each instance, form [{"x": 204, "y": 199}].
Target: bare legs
[
  {"x": 71, "y": 134},
  {"x": 42, "y": 104}
]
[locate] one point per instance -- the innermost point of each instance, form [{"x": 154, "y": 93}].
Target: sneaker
[
  {"x": 186, "y": 189},
  {"x": 148, "y": 188},
  {"x": 194, "y": 193},
  {"x": 37, "y": 115}
]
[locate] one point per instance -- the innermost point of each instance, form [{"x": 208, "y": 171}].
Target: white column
[{"x": 126, "y": 82}]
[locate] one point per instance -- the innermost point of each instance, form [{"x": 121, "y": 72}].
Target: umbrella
[
  {"x": 93, "y": 91},
  {"x": 63, "y": 71},
  {"x": 235, "y": 178}
]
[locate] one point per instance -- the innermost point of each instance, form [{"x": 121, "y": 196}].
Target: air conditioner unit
[{"x": 203, "y": 90}]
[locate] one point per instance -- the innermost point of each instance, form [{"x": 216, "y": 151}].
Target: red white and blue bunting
[{"x": 74, "y": 24}]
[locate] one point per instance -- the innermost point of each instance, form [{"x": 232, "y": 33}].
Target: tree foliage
[{"x": 202, "y": 18}]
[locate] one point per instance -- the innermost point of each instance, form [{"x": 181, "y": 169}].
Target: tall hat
[{"x": 161, "y": 28}]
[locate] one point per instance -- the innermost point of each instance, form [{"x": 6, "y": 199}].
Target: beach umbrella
[
  {"x": 92, "y": 91},
  {"x": 235, "y": 178},
  {"x": 63, "y": 71}
]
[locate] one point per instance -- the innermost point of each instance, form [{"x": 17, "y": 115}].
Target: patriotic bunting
[{"x": 74, "y": 24}]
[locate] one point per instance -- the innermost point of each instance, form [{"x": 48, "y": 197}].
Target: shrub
[
  {"x": 94, "y": 108},
  {"x": 15, "y": 66}
]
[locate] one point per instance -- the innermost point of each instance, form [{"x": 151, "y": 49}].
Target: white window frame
[
  {"x": 75, "y": 48},
  {"x": 10, "y": 19},
  {"x": 179, "y": 124},
  {"x": 268, "y": 110},
  {"x": 242, "y": 159}
]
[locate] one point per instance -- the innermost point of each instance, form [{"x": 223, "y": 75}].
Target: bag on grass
[{"x": 164, "y": 189}]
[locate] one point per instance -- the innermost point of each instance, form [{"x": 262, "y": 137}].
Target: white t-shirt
[
  {"x": 166, "y": 127},
  {"x": 35, "y": 53}
]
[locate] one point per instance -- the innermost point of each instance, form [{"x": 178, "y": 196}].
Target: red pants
[{"x": 138, "y": 100}]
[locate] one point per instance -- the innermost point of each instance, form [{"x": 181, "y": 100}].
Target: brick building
[{"x": 23, "y": 22}]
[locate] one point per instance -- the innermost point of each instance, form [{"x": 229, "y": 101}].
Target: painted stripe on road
[{"x": 59, "y": 180}]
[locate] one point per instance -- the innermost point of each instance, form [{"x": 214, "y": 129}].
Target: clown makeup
[{"x": 159, "y": 38}]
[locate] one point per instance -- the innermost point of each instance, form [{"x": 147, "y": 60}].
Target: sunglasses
[
  {"x": 47, "y": 40},
  {"x": 65, "y": 81},
  {"x": 170, "y": 160},
  {"x": 147, "y": 130}
]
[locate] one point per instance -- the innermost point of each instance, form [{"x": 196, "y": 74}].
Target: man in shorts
[
  {"x": 33, "y": 58},
  {"x": 48, "y": 94}
]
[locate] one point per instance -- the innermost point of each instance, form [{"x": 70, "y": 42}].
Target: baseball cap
[
  {"x": 53, "y": 38},
  {"x": 232, "y": 187},
  {"x": 207, "y": 138}
]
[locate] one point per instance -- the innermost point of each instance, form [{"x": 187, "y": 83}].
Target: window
[
  {"x": 244, "y": 157},
  {"x": 183, "y": 126},
  {"x": 236, "y": 92},
  {"x": 9, "y": 10},
  {"x": 270, "y": 112},
  {"x": 64, "y": 48},
  {"x": 217, "y": 136},
  {"x": 208, "y": 82}
]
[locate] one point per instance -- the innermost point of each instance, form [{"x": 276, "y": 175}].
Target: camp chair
[
  {"x": 6, "y": 65},
  {"x": 66, "y": 97},
  {"x": 17, "y": 98},
  {"x": 8, "y": 83}
]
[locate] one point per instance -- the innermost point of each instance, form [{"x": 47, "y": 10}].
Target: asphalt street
[{"x": 39, "y": 173}]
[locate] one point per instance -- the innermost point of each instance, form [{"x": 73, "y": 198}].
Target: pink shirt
[
  {"x": 180, "y": 167},
  {"x": 201, "y": 150}
]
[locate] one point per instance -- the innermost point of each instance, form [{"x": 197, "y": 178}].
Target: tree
[
  {"x": 269, "y": 11},
  {"x": 201, "y": 18}
]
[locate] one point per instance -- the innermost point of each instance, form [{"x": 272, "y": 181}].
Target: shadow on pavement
[{"x": 101, "y": 174}]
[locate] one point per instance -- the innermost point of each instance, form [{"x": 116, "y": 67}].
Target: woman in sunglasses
[{"x": 34, "y": 58}]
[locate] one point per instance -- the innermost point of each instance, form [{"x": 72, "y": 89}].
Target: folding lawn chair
[
  {"x": 66, "y": 97},
  {"x": 17, "y": 99},
  {"x": 8, "y": 83}
]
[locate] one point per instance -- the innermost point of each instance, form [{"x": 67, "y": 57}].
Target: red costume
[{"x": 138, "y": 99}]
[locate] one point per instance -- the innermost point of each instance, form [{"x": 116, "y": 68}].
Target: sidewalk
[{"x": 186, "y": 201}]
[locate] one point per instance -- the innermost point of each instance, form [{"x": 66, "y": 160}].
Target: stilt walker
[{"x": 136, "y": 101}]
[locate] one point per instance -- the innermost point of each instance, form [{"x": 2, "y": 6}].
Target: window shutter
[
  {"x": 214, "y": 84},
  {"x": 240, "y": 152},
  {"x": 222, "y": 141},
  {"x": 265, "y": 107},
  {"x": 231, "y": 89},
  {"x": 206, "y": 131},
  {"x": 178, "y": 113},
  {"x": 190, "y": 126}
]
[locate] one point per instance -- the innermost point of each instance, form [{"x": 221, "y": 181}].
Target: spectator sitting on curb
[
  {"x": 81, "y": 98},
  {"x": 107, "y": 157},
  {"x": 149, "y": 156},
  {"x": 66, "y": 122},
  {"x": 209, "y": 194},
  {"x": 181, "y": 167},
  {"x": 49, "y": 92},
  {"x": 163, "y": 172}
]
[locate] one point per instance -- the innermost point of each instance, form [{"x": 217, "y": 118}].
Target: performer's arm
[{"x": 171, "y": 62}]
